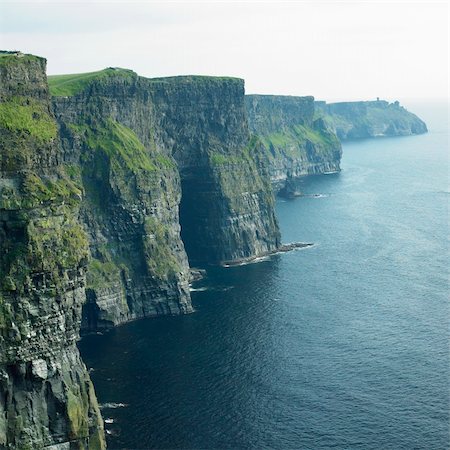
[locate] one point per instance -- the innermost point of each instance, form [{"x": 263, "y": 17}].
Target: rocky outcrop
[
  {"x": 355, "y": 120},
  {"x": 46, "y": 396},
  {"x": 296, "y": 142},
  {"x": 140, "y": 147}
]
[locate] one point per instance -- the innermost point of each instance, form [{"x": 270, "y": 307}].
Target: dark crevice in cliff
[
  {"x": 196, "y": 215},
  {"x": 190, "y": 215}
]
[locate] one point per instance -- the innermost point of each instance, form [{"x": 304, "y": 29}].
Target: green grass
[
  {"x": 242, "y": 157},
  {"x": 26, "y": 115},
  {"x": 100, "y": 274},
  {"x": 73, "y": 171},
  {"x": 195, "y": 79},
  {"x": 38, "y": 191},
  {"x": 278, "y": 139},
  {"x": 297, "y": 134},
  {"x": 72, "y": 84},
  {"x": 51, "y": 244},
  {"x": 11, "y": 58},
  {"x": 220, "y": 159},
  {"x": 121, "y": 144},
  {"x": 77, "y": 413},
  {"x": 56, "y": 244}
]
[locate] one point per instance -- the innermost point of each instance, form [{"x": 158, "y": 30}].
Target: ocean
[{"x": 342, "y": 345}]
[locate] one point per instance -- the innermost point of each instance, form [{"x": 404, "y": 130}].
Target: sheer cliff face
[
  {"x": 46, "y": 396},
  {"x": 354, "y": 120},
  {"x": 140, "y": 147},
  {"x": 227, "y": 207},
  {"x": 139, "y": 266},
  {"x": 296, "y": 144}
]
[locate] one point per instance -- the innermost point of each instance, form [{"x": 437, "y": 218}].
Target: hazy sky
[{"x": 332, "y": 50}]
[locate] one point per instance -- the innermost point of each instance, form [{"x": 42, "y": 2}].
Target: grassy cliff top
[
  {"x": 379, "y": 102},
  {"x": 72, "y": 84},
  {"x": 280, "y": 97},
  {"x": 195, "y": 79},
  {"x": 8, "y": 57}
]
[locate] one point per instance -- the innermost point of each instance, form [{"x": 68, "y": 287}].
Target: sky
[{"x": 333, "y": 50}]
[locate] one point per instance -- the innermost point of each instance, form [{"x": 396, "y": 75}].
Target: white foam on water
[{"x": 112, "y": 405}]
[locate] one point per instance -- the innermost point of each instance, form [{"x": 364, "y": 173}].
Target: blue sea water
[{"x": 344, "y": 345}]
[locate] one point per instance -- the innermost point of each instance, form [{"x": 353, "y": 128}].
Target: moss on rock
[
  {"x": 43, "y": 255},
  {"x": 161, "y": 261},
  {"x": 296, "y": 141},
  {"x": 25, "y": 115}
]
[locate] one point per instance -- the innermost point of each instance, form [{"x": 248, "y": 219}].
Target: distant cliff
[
  {"x": 354, "y": 120},
  {"x": 46, "y": 396},
  {"x": 142, "y": 149},
  {"x": 296, "y": 142}
]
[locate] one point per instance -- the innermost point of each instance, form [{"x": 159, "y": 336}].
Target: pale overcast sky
[{"x": 332, "y": 50}]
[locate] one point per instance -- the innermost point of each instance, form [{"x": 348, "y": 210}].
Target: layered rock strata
[
  {"x": 355, "y": 120},
  {"x": 227, "y": 206},
  {"x": 132, "y": 189},
  {"x": 46, "y": 396},
  {"x": 140, "y": 147},
  {"x": 296, "y": 142}
]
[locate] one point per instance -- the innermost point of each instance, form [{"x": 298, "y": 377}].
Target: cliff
[
  {"x": 296, "y": 143},
  {"x": 354, "y": 120},
  {"x": 227, "y": 205},
  {"x": 90, "y": 193},
  {"x": 46, "y": 396},
  {"x": 143, "y": 149},
  {"x": 108, "y": 194},
  {"x": 132, "y": 191}
]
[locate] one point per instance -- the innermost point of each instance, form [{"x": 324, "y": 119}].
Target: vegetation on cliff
[
  {"x": 134, "y": 147},
  {"x": 46, "y": 396},
  {"x": 17, "y": 59},
  {"x": 72, "y": 84},
  {"x": 115, "y": 164},
  {"x": 352, "y": 120},
  {"x": 29, "y": 116},
  {"x": 138, "y": 267},
  {"x": 226, "y": 209},
  {"x": 296, "y": 142}
]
